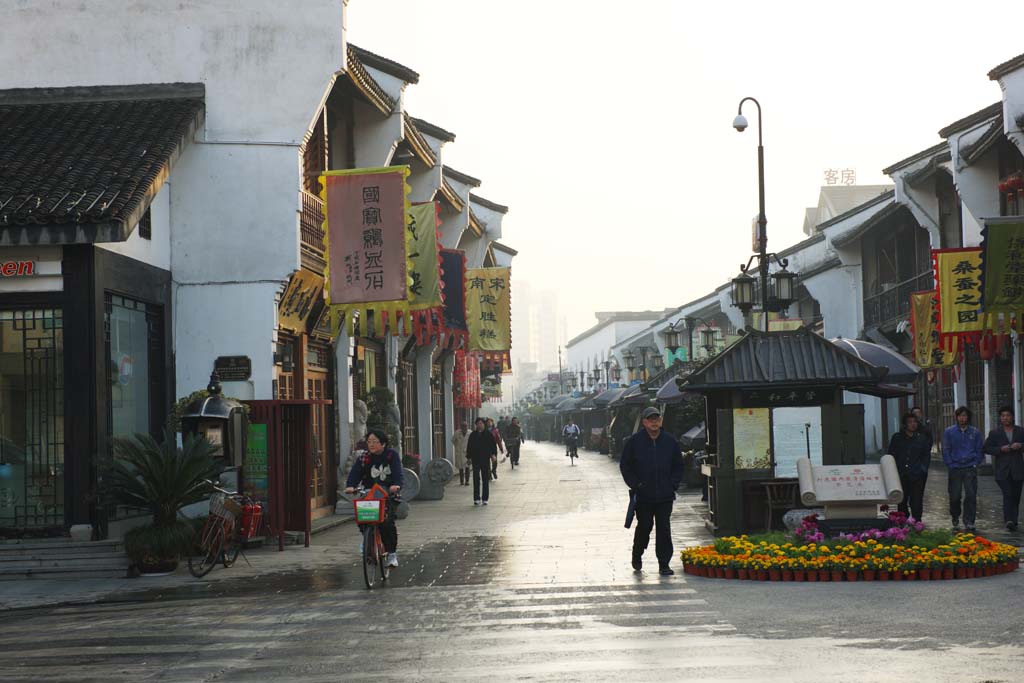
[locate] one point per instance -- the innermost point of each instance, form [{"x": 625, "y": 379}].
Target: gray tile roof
[
  {"x": 777, "y": 359},
  {"x": 81, "y": 165}
]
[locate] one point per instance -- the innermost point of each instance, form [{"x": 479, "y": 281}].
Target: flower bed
[{"x": 904, "y": 552}]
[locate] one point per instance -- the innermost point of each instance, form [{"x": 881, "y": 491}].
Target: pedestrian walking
[
  {"x": 925, "y": 426},
  {"x": 460, "y": 439},
  {"x": 1005, "y": 444},
  {"x": 496, "y": 435},
  {"x": 652, "y": 467},
  {"x": 482, "y": 451},
  {"x": 513, "y": 440},
  {"x": 913, "y": 452},
  {"x": 962, "y": 446}
]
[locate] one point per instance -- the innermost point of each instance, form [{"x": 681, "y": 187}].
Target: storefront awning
[
  {"x": 609, "y": 396},
  {"x": 670, "y": 393},
  {"x": 901, "y": 370},
  {"x": 882, "y": 390},
  {"x": 634, "y": 395}
]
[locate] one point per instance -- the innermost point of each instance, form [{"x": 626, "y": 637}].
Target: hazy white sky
[{"x": 606, "y": 126}]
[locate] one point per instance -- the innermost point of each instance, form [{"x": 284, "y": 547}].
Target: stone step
[
  {"x": 108, "y": 570},
  {"x": 58, "y": 547},
  {"x": 69, "y": 562}
]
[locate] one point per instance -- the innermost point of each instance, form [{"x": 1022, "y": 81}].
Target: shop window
[{"x": 129, "y": 369}]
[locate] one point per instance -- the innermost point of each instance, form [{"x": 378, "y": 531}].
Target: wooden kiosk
[{"x": 772, "y": 399}]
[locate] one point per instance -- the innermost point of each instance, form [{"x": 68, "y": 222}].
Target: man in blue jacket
[
  {"x": 962, "y": 452},
  {"x": 652, "y": 467}
]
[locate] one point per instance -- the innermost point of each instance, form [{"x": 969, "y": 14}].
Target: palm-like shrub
[{"x": 161, "y": 478}]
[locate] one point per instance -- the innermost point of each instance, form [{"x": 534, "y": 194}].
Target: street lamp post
[
  {"x": 741, "y": 283},
  {"x": 607, "y": 374}
]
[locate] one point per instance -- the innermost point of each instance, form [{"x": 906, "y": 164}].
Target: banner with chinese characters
[
  {"x": 1002, "y": 269},
  {"x": 958, "y": 273},
  {"x": 425, "y": 299},
  {"x": 488, "y": 309},
  {"x": 365, "y": 245},
  {"x": 466, "y": 380},
  {"x": 302, "y": 301},
  {"x": 924, "y": 317}
]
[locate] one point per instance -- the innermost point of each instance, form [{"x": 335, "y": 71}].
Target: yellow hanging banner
[
  {"x": 924, "y": 325},
  {"x": 958, "y": 272},
  {"x": 488, "y": 309}
]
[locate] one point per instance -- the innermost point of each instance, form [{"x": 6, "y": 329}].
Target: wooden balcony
[
  {"x": 311, "y": 229},
  {"x": 894, "y": 303}
]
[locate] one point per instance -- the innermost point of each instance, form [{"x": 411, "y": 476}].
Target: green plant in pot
[{"x": 161, "y": 478}]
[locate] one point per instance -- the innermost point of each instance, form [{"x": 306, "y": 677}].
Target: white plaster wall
[
  {"x": 243, "y": 52},
  {"x": 976, "y": 184},
  {"x": 424, "y": 182},
  {"x": 155, "y": 251},
  {"x": 838, "y": 292},
  {"x": 452, "y": 228},
  {"x": 596, "y": 345},
  {"x": 424, "y": 422},
  {"x": 224, "y": 320},
  {"x": 377, "y": 136},
  {"x": 1012, "y": 85},
  {"x": 492, "y": 219},
  {"x": 234, "y": 212},
  {"x": 47, "y": 275},
  {"x": 922, "y": 201},
  {"x": 475, "y": 248}
]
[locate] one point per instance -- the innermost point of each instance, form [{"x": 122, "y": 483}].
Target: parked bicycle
[
  {"x": 372, "y": 509},
  {"x": 233, "y": 519}
]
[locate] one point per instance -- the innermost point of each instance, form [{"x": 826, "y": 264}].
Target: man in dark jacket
[
  {"x": 1005, "y": 444},
  {"x": 912, "y": 451},
  {"x": 652, "y": 467},
  {"x": 482, "y": 451}
]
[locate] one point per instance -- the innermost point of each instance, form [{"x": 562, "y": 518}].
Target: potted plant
[{"x": 160, "y": 478}]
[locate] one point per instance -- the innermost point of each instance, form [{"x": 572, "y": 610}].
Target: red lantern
[{"x": 1004, "y": 186}]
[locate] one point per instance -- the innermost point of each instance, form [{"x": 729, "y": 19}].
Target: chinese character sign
[
  {"x": 488, "y": 310},
  {"x": 1002, "y": 276},
  {"x": 835, "y": 176},
  {"x": 924, "y": 316},
  {"x": 366, "y": 213},
  {"x": 958, "y": 272},
  {"x": 424, "y": 257}
]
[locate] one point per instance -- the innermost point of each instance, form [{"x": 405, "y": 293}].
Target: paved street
[{"x": 536, "y": 586}]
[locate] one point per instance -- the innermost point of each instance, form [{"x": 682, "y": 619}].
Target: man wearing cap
[{"x": 652, "y": 467}]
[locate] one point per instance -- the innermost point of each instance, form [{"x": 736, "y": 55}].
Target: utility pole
[{"x": 561, "y": 390}]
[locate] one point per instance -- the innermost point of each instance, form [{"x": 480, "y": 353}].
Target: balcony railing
[
  {"x": 894, "y": 303},
  {"x": 311, "y": 229}
]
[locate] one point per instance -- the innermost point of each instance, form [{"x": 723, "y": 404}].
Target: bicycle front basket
[{"x": 369, "y": 511}]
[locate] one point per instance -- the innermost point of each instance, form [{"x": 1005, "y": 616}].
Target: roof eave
[
  {"x": 920, "y": 156},
  {"x": 972, "y": 119},
  {"x": 486, "y": 203}
]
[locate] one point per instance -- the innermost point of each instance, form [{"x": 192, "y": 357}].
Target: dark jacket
[
  {"x": 652, "y": 467},
  {"x": 384, "y": 469},
  {"x": 912, "y": 454},
  {"x": 1006, "y": 465},
  {"x": 513, "y": 433},
  {"x": 481, "y": 447}
]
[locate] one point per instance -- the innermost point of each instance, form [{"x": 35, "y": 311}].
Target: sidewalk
[{"x": 547, "y": 524}]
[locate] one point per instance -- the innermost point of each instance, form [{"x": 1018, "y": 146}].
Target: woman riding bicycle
[{"x": 380, "y": 465}]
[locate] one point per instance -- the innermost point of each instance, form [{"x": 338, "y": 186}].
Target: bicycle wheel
[
  {"x": 200, "y": 566},
  {"x": 382, "y": 557},
  {"x": 232, "y": 547},
  {"x": 370, "y": 560}
]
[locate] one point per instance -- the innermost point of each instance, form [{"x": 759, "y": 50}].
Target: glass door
[{"x": 31, "y": 419}]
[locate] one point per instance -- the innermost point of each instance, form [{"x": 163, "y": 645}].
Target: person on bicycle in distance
[
  {"x": 571, "y": 433},
  {"x": 380, "y": 465}
]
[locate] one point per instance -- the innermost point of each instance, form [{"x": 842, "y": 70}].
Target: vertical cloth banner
[
  {"x": 365, "y": 244},
  {"x": 488, "y": 309},
  {"x": 928, "y": 354},
  {"x": 958, "y": 274},
  {"x": 1002, "y": 268},
  {"x": 453, "y": 274},
  {"x": 466, "y": 380},
  {"x": 425, "y": 286}
]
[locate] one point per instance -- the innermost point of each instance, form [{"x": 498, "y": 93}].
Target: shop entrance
[{"x": 31, "y": 419}]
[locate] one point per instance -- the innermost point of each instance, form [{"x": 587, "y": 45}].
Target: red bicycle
[
  {"x": 222, "y": 537},
  {"x": 371, "y": 509}
]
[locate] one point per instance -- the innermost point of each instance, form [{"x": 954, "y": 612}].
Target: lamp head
[{"x": 740, "y": 122}]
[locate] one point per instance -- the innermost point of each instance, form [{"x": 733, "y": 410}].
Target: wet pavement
[{"x": 536, "y": 586}]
